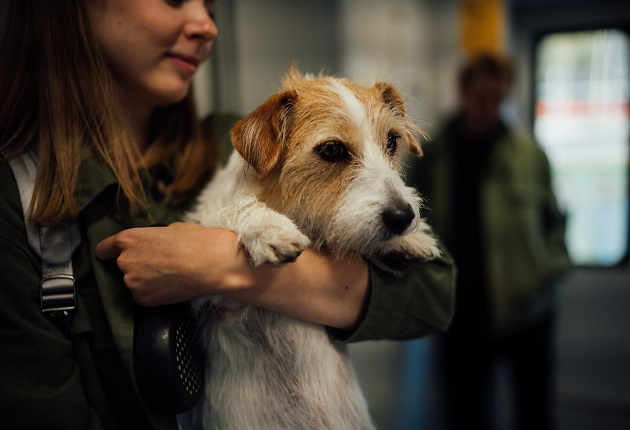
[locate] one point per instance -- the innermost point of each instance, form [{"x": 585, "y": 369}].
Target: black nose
[{"x": 397, "y": 219}]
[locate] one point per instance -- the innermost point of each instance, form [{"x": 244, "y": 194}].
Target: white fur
[{"x": 267, "y": 371}]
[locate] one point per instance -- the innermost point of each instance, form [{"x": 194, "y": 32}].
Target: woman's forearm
[
  {"x": 316, "y": 288},
  {"x": 163, "y": 265}
]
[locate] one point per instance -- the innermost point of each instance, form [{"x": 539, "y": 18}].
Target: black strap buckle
[{"x": 57, "y": 294}]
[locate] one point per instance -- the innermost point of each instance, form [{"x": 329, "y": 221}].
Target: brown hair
[
  {"x": 58, "y": 96},
  {"x": 493, "y": 65}
]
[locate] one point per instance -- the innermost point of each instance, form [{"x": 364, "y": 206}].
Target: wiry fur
[{"x": 265, "y": 370}]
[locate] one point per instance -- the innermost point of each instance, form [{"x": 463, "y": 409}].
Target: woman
[{"x": 100, "y": 91}]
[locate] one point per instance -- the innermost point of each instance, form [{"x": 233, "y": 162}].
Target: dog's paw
[
  {"x": 275, "y": 240},
  {"x": 420, "y": 245},
  {"x": 410, "y": 249}
]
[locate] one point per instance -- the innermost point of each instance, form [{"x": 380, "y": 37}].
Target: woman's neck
[{"x": 136, "y": 116}]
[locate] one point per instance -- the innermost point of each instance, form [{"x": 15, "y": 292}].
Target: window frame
[{"x": 536, "y": 42}]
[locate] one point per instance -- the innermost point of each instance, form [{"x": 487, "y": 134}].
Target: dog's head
[{"x": 328, "y": 153}]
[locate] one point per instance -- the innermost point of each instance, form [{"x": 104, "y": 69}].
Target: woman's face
[{"x": 153, "y": 47}]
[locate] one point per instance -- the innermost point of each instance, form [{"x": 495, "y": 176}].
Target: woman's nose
[{"x": 201, "y": 24}]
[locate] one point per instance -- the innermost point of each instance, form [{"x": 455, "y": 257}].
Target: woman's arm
[
  {"x": 357, "y": 301},
  {"x": 164, "y": 265}
]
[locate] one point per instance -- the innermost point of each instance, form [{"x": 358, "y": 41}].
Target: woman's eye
[
  {"x": 392, "y": 143},
  {"x": 175, "y": 3},
  {"x": 209, "y": 5},
  {"x": 332, "y": 151}
]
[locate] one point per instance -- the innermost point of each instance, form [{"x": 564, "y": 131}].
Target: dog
[{"x": 318, "y": 164}]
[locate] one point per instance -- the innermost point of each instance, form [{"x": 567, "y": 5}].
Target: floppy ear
[
  {"x": 395, "y": 102},
  {"x": 258, "y": 136},
  {"x": 414, "y": 145}
]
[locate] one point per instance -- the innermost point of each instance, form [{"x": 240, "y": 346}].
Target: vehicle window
[{"x": 581, "y": 119}]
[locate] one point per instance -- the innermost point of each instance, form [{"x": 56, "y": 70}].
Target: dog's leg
[{"x": 266, "y": 235}]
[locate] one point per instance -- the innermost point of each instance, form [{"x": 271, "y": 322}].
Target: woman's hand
[{"x": 163, "y": 265}]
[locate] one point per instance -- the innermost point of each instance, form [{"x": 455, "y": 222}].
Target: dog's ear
[
  {"x": 395, "y": 102},
  {"x": 258, "y": 137},
  {"x": 391, "y": 97},
  {"x": 414, "y": 145}
]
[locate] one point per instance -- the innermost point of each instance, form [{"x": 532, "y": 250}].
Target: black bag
[{"x": 168, "y": 359}]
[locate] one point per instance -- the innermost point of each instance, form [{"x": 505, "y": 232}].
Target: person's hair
[
  {"x": 58, "y": 96},
  {"x": 495, "y": 66}
]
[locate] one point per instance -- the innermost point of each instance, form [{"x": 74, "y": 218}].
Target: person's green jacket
[
  {"x": 522, "y": 227},
  {"x": 40, "y": 385}
]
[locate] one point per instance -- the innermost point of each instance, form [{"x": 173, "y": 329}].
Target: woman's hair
[{"x": 58, "y": 96}]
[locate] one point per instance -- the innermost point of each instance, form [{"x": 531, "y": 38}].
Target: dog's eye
[
  {"x": 392, "y": 143},
  {"x": 332, "y": 151}
]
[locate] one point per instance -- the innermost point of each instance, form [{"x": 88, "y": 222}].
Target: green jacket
[
  {"x": 523, "y": 229},
  {"x": 40, "y": 385}
]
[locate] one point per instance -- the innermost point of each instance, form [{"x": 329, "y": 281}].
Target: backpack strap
[{"x": 52, "y": 242}]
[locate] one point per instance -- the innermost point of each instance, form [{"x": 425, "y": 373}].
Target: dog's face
[{"x": 328, "y": 153}]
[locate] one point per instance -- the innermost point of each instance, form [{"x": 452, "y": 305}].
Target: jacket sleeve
[
  {"x": 406, "y": 302},
  {"x": 40, "y": 385}
]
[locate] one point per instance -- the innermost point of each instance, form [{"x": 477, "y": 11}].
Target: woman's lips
[{"x": 187, "y": 64}]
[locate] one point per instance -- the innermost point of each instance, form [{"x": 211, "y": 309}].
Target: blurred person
[
  {"x": 99, "y": 93},
  {"x": 489, "y": 191}
]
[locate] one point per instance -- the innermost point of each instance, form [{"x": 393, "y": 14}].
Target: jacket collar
[{"x": 94, "y": 178}]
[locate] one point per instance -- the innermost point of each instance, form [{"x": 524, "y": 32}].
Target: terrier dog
[{"x": 318, "y": 164}]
